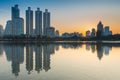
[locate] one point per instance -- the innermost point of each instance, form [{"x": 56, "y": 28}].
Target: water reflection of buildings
[
  {"x": 93, "y": 48},
  {"x": 1, "y": 49},
  {"x": 99, "y": 49},
  {"x": 47, "y": 51},
  {"x": 29, "y": 58},
  {"x": 38, "y": 58},
  {"x": 42, "y": 54},
  {"x": 15, "y": 53},
  {"x": 102, "y": 49},
  {"x": 88, "y": 46},
  {"x": 72, "y": 46},
  {"x": 42, "y": 57},
  {"x": 107, "y": 49}
]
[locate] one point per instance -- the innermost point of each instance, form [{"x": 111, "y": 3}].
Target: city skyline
[{"x": 83, "y": 15}]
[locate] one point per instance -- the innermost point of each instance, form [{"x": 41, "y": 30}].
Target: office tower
[
  {"x": 46, "y": 21},
  {"x": 38, "y": 22},
  {"x": 88, "y": 34},
  {"x": 50, "y": 32},
  {"x": 107, "y": 31},
  {"x": 29, "y": 21},
  {"x": 99, "y": 29},
  {"x": 93, "y": 33},
  {"x": 1, "y": 30},
  {"x": 15, "y": 12}
]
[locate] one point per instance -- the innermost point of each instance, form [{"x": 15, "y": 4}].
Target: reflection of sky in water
[{"x": 59, "y": 61}]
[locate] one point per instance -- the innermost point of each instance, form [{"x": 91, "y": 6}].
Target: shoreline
[{"x": 61, "y": 42}]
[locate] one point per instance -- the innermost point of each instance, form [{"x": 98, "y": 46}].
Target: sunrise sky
[{"x": 70, "y": 15}]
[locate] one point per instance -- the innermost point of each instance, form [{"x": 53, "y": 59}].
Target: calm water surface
[{"x": 60, "y": 61}]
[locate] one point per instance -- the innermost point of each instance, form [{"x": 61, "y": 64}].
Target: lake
[{"x": 60, "y": 61}]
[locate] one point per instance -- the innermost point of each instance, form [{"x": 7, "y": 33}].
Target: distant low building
[
  {"x": 76, "y": 34},
  {"x": 66, "y": 35},
  {"x": 69, "y": 35},
  {"x": 56, "y": 33}
]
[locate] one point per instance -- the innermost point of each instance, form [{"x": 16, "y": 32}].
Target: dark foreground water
[{"x": 60, "y": 61}]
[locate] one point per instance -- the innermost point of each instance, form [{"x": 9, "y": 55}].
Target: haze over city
[{"x": 69, "y": 15}]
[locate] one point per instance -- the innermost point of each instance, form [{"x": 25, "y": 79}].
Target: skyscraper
[
  {"x": 46, "y": 21},
  {"x": 99, "y": 29},
  {"x": 38, "y": 22},
  {"x": 15, "y": 27},
  {"x": 15, "y": 12},
  {"x": 29, "y": 21},
  {"x": 93, "y": 33}
]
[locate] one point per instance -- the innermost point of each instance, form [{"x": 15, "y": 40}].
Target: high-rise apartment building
[
  {"x": 15, "y": 27},
  {"x": 15, "y": 12},
  {"x": 29, "y": 21},
  {"x": 38, "y": 22},
  {"x": 46, "y": 21}
]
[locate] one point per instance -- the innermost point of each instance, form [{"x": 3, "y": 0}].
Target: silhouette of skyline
[{"x": 95, "y": 10}]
